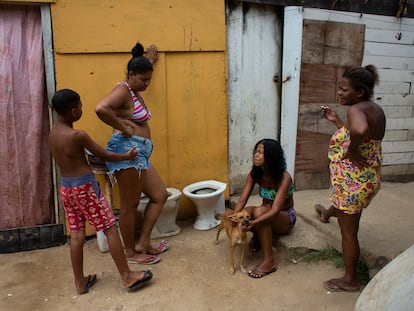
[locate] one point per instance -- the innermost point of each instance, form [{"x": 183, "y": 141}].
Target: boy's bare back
[
  {"x": 68, "y": 145},
  {"x": 67, "y": 149}
]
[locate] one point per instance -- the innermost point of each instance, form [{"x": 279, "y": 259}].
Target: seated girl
[{"x": 276, "y": 215}]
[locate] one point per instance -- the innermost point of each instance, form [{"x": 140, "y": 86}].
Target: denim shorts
[{"x": 121, "y": 144}]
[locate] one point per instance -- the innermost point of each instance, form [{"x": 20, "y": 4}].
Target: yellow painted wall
[{"x": 187, "y": 97}]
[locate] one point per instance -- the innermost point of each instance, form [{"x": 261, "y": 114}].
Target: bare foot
[
  {"x": 321, "y": 212},
  {"x": 258, "y": 273},
  {"x": 340, "y": 285},
  {"x": 152, "y": 53},
  {"x": 147, "y": 250}
]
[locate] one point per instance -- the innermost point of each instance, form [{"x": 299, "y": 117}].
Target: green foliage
[{"x": 336, "y": 258}]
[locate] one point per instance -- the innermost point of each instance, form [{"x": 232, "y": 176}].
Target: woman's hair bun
[{"x": 137, "y": 50}]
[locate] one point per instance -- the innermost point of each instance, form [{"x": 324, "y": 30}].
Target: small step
[{"x": 29, "y": 238}]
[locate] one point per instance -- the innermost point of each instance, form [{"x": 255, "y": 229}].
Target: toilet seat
[{"x": 208, "y": 203}]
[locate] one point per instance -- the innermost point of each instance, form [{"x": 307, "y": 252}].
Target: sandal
[
  {"x": 148, "y": 260},
  {"x": 140, "y": 283},
  {"x": 89, "y": 283},
  {"x": 163, "y": 246}
]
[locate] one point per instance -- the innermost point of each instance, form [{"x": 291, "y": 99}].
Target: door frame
[
  {"x": 254, "y": 82},
  {"x": 291, "y": 66},
  {"x": 50, "y": 90}
]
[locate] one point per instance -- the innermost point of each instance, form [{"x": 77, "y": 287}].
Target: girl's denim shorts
[{"x": 121, "y": 144}]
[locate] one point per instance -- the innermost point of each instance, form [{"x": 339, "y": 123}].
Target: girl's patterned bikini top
[{"x": 270, "y": 194}]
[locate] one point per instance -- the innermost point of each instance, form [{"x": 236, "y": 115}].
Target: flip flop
[
  {"x": 258, "y": 273},
  {"x": 140, "y": 283},
  {"x": 335, "y": 285},
  {"x": 91, "y": 281},
  {"x": 148, "y": 260},
  {"x": 163, "y": 246}
]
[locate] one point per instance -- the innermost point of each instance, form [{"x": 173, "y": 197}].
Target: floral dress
[{"x": 353, "y": 188}]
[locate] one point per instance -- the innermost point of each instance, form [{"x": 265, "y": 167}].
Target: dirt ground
[{"x": 192, "y": 275}]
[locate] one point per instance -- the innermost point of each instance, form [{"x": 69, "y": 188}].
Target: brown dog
[{"x": 235, "y": 235}]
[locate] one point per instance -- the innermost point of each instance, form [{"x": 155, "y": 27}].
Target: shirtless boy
[{"x": 81, "y": 195}]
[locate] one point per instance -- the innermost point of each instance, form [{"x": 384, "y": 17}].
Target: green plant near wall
[{"x": 332, "y": 255}]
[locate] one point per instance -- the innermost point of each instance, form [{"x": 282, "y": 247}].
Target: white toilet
[
  {"x": 165, "y": 225},
  {"x": 208, "y": 198}
]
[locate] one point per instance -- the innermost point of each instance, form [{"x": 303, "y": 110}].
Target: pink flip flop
[
  {"x": 148, "y": 260},
  {"x": 163, "y": 246}
]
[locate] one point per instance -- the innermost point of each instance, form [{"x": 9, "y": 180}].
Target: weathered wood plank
[
  {"x": 385, "y": 87},
  {"x": 393, "y": 93},
  {"x": 398, "y": 111},
  {"x": 312, "y": 180},
  {"x": 389, "y": 62},
  {"x": 395, "y": 135},
  {"x": 389, "y": 36},
  {"x": 311, "y": 169},
  {"x": 321, "y": 44},
  {"x": 384, "y": 7},
  {"x": 394, "y": 99},
  {"x": 400, "y": 123},
  {"x": 312, "y": 120},
  {"x": 115, "y": 26},
  {"x": 253, "y": 95},
  {"x": 372, "y": 21},
  {"x": 398, "y": 146},
  {"x": 396, "y": 50},
  {"x": 291, "y": 67},
  {"x": 396, "y": 75},
  {"x": 398, "y": 158},
  {"x": 318, "y": 83}
]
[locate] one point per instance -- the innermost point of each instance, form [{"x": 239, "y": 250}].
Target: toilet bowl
[
  {"x": 208, "y": 198},
  {"x": 101, "y": 237},
  {"x": 165, "y": 225}
]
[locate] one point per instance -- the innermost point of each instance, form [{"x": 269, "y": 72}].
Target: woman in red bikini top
[{"x": 124, "y": 109}]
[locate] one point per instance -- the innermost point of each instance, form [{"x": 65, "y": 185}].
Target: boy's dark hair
[{"x": 65, "y": 100}]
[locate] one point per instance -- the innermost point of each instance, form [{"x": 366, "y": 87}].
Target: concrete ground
[
  {"x": 386, "y": 227},
  {"x": 194, "y": 273}
]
